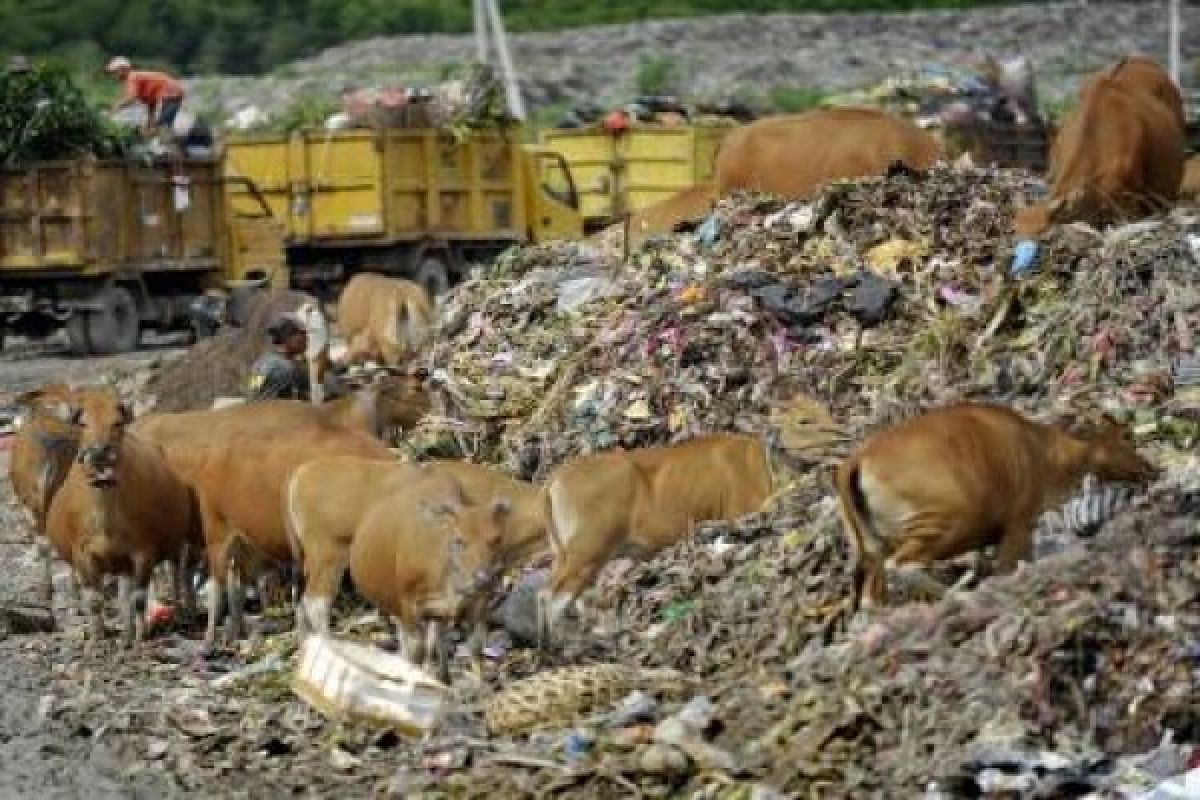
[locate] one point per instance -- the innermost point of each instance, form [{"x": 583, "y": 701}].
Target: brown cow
[
  {"x": 425, "y": 556},
  {"x": 42, "y": 452},
  {"x": 637, "y": 502},
  {"x": 327, "y": 498},
  {"x": 1142, "y": 74},
  {"x": 795, "y": 156},
  {"x": 121, "y": 510},
  {"x": 391, "y": 401},
  {"x": 383, "y": 319},
  {"x": 665, "y": 216},
  {"x": 239, "y": 477},
  {"x": 1118, "y": 156},
  {"x": 964, "y": 477}
]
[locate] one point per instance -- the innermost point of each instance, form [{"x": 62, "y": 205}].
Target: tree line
[{"x": 255, "y": 36}]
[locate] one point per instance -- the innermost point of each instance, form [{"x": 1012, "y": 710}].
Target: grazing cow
[
  {"x": 121, "y": 510},
  {"x": 384, "y": 319},
  {"x": 665, "y": 216},
  {"x": 425, "y": 557},
  {"x": 962, "y": 478},
  {"x": 637, "y": 502},
  {"x": 1119, "y": 155},
  {"x": 327, "y": 498},
  {"x": 795, "y": 156}
]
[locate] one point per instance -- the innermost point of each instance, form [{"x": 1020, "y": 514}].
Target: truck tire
[
  {"x": 114, "y": 327},
  {"x": 433, "y": 274}
]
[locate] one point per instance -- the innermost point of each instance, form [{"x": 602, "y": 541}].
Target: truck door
[{"x": 554, "y": 199}]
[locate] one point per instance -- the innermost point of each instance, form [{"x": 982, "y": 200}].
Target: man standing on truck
[{"x": 161, "y": 94}]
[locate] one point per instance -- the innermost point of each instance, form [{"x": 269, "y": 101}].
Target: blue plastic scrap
[{"x": 1024, "y": 258}]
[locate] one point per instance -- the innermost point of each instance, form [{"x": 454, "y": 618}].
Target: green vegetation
[
  {"x": 253, "y": 36},
  {"x": 45, "y": 116},
  {"x": 793, "y": 100},
  {"x": 657, "y": 75}
]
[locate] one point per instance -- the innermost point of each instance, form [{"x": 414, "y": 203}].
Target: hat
[{"x": 117, "y": 63}]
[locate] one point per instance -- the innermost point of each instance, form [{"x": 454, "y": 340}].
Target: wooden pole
[{"x": 1173, "y": 41}]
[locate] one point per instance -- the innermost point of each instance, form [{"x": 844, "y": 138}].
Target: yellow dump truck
[
  {"x": 627, "y": 170},
  {"x": 416, "y": 203},
  {"x": 107, "y": 249}
]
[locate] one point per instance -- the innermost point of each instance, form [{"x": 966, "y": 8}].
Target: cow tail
[{"x": 856, "y": 517}]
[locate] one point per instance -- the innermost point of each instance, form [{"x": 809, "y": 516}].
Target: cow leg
[
  {"x": 216, "y": 608},
  {"x": 1016, "y": 545},
  {"x": 475, "y": 644},
  {"x": 125, "y": 604},
  {"x": 45, "y": 557},
  {"x": 236, "y": 599},
  {"x": 92, "y": 600},
  {"x": 436, "y": 650}
]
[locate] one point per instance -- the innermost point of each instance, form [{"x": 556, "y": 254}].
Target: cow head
[
  {"x": 103, "y": 419},
  {"x": 477, "y": 538},
  {"x": 401, "y": 400},
  {"x": 1111, "y": 453}
]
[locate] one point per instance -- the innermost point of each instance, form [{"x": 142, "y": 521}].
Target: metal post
[
  {"x": 1173, "y": 40},
  {"x": 481, "y": 43},
  {"x": 512, "y": 89}
]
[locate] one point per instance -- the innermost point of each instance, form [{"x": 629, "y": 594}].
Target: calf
[
  {"x": 965, "y": 477},
  {"x": 383, "y": 319},
  {"x": 424, "y": 556},
  {"x": 121, "y": 510},
  {"x": 327, "y": 498},
  {"x": 636, "y": 503}
]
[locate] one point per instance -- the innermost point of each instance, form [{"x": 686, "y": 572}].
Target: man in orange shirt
[{"x": 161, "y": 94}]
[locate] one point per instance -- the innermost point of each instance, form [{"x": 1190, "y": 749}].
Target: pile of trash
[
  {"x": 664, "y": 110},
  {"x": 44, "y": 116},
  {"x": 890, "y": 293},
  {"x": 474, "y": 101},
  {"x": 935, "y": 95}
]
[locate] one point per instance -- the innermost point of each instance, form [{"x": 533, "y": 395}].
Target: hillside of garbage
[{"x": 731, "y": 666}]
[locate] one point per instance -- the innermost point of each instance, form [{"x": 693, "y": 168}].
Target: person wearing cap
[
  {"x": 161, "y": 94},
  {"x": 281, "y": 372}
]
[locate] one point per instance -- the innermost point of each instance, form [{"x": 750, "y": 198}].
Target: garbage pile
[
  {"x": 663, "y": 110},
  {"x": 1075, "y": 674},
  {"x": 883, "y": 294},
  {"x": 936, "y": 95},
  {"x": 44, "y": 116},
  {"x": 474, "y": 101},
  {"x": 878, "y": 298}
]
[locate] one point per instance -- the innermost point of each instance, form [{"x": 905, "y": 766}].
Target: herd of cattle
[
  {"x": 238, "y": 489},
  {"x": 283, "y": 481},
  {"x": 1119, "y": 154}
]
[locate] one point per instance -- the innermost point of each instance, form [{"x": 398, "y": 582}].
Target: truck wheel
[
  {"x": 77, "y": 335},
  {"x": 433, "y": 275},
  {"x": 114, "y": 327}
]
